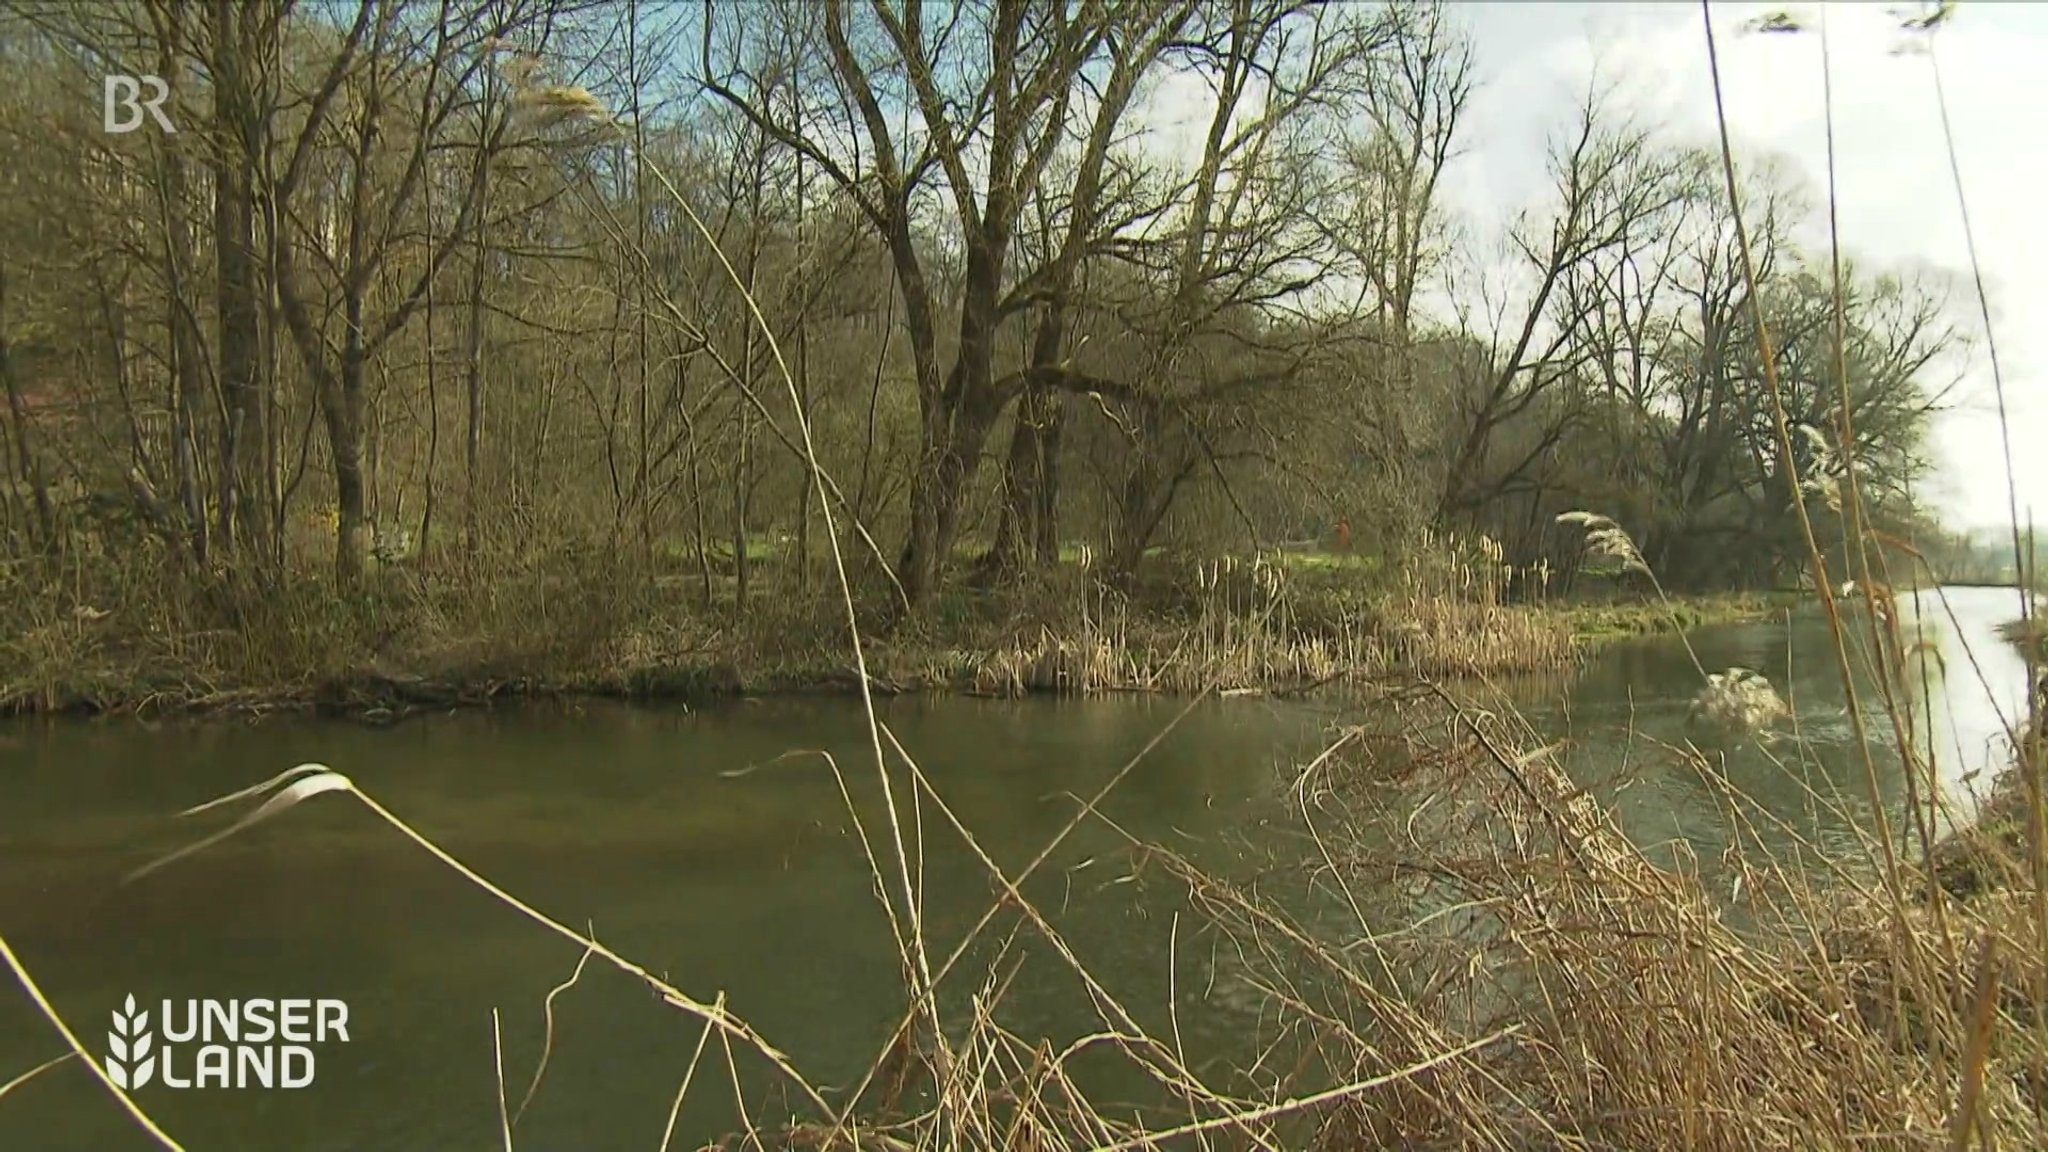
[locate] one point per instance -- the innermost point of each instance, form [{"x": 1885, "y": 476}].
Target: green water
[{"x": 692, "y": 848}]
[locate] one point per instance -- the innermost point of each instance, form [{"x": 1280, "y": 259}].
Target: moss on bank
[{"x": 1617, "y": 620}]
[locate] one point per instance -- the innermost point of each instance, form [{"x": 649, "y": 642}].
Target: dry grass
[
  {"x": 1806, "y": 1010},
  {"x": 581, "y": 624},
  {"x": 1504, "y": 968},
  {"x": 1253, "y": 624},
  {"x": 1449, "y": 615}
]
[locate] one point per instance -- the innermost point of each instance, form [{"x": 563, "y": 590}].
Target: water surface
[{"x": 715, "y": 846}]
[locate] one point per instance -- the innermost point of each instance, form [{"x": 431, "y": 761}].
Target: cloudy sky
[{"x": 1897, "y": 199}]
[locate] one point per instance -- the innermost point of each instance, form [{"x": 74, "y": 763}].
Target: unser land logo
[{"x": 257, "y": 1043}]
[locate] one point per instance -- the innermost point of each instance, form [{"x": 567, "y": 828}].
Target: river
[{"x": 698, "y": 844}]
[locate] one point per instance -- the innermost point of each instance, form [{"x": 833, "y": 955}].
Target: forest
[{"x": 471, "y": 309}]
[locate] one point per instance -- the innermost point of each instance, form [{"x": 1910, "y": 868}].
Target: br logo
[{"x": 123, "y": 107}]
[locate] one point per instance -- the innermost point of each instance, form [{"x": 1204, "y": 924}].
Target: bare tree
[
  {"x": 1387, "y": 217},
  {"x": 1075, "y": 222},
  {"x": 1608, "y": 184},
  {"x": 352, "y": 225},
  {"x": 1243, "y": 246},
  {"x": 245, "y": 71},
  {"x": 992, "y": 88}
]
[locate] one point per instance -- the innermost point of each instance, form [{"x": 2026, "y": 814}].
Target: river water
[{"x": 715, "y": 847}]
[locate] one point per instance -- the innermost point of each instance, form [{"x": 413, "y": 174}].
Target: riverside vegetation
[
  {"x": 1281, "y": 621},
  {"x": 379, "y": 178}
]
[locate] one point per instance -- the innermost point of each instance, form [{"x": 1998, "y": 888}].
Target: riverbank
[
  {"x": 1988, "y": 854},
  {"x": 1745, "y": 1002},
  {"x": 418, "y": 645},
  {"x": 1556, "y": 981},
  {"x": 1595, "y": 622}
]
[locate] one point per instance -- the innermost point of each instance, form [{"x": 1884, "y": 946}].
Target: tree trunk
[
  {"x": 187, "y": 357},
  {"x": 803, "y": 379},
  {"x": 26, "y": 465},
  {"x": 342, "y": 409},
  {"x": 805, "y": 489},
  {"x": 1029, "y": 530},
  {"x": 951, "y": 458},
  {"x": 187, "y": 349},
  {"x": 245, "y": 466},
  {"x": 957, "y": 420},
  {"x": 740, "y": 501},
  {"x": 1159, "y": 466},
  {"x": 473, "y": 427},
  {"x": 1030, "y": 526},
  {"x": 338, "y": 393},
  {"x": 641, "y": 479}
]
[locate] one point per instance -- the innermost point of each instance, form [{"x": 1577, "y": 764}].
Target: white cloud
[{"x": 1174, "y": 112}]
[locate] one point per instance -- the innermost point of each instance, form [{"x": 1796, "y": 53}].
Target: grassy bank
[
  {"x": 2029, "y": 635},
  {"x": 1612, "y": 620},
  {"x": 1275, "y": 623}
]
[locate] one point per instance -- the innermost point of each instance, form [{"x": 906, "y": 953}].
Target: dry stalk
[
  {"x": 675, "y": 1109},
  {"x": 547, "y": 1046},
  {"x": 42, "y": 1003},
  {"x": 34, "y": 1072},
  {"x": 498, "y": 1064}
]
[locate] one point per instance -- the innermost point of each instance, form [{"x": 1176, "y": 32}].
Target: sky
[{"x": 1896, "y": 198}]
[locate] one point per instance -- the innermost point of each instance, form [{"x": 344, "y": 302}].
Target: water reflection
[
  {"x": 693, "y": 842},
  {"x": 1626, "y": 716}
]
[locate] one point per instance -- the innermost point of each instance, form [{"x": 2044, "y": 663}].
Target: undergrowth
[{"x": 92, "y": 632}]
